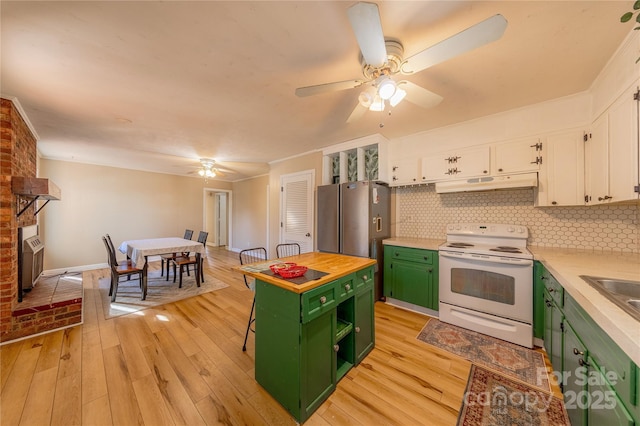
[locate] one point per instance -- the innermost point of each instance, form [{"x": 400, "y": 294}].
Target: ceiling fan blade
[
  {"x": 365, "y": 21},
  {"x": 358, "y": 112},
  {"x": 327, "y": 87},
  {"x": 485, "y": 32},
  {"x": 419, "y": 95}
]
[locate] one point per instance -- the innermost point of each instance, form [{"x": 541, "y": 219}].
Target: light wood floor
[{"x": 182, "y": 363}]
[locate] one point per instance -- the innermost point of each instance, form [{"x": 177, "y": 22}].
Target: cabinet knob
[
  {"x": 548, "y": 303},
  {"x": 336, "y": 348},
  {"x": 429, "y": 270},
  {"x": 347, "y": 287},
  {"x": 357, "y": 329},
  {"x": 606, "y": 197},
  {"x": 554, "y": 202},
  {"x": 323, "y": 300},
  {"x": 499, "y": 170},
  {"x": 543, "y": 277},
  {"x": 583, "y": 363},
  {"x": 364, "y": 278},
  {"x": 577, "y": 352},
  {"x": 551, "y": 290}
]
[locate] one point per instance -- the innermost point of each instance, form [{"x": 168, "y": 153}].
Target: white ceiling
[{"x": 157, "y": 85}]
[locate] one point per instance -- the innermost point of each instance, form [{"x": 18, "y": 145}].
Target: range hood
[{"x": 488, "y": 183}]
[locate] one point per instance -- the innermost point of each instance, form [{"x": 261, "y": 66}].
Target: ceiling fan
[
  {"x": 382, "y": 59},
  {"x": 209, "y": 169}
]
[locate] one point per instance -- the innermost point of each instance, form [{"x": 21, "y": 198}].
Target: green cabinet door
[
  {"x": 539, "y": 273},
  {"x": 553, "y": 336},
  {"x": 605, "y": 407},
  {"x": 573, "y": 377},
  {"x": 318, "y": 362},
  {"x": 412, "y": 282},
  {"x": 364, "y": 322}
]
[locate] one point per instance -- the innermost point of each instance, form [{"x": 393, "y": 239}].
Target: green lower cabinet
[
  {"x": 318, "y": 362},
  {"x": 553, "y": 333},
  {"x": 364, "y": 322},
  {"x": 411, "y": 275},
  {"x": 600, "y": 383},
  {"x": 305, "y": 343},
  {"x": 574, "y": 387}
]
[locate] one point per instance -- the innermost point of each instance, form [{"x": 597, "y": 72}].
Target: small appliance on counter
[{"x": 353, "y": 219}]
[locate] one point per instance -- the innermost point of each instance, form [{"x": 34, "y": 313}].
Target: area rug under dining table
[{"x": 159, "y": 292}]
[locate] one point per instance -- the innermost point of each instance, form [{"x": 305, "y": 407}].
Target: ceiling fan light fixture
[
  {"x": 377, "y": 104},
  {"x": 366, "y": 98},
  {"x": 397, "y": 97},
  {"x": 386, "y": 88}
]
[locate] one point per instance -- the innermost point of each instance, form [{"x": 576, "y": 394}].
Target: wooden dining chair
[
  {"x": 119, "y": 269},
  {"x": 185, "y": 261},
  {"x": 247, "y": 256},
  {"x": 188, "y": 234},
  {"x": 287, "y": 249}
]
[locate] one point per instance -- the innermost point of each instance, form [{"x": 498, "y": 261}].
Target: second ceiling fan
[{"x": 382, "y": 59}]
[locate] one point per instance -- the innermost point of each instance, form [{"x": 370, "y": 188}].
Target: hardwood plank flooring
[{"x": 182, "y": 363}]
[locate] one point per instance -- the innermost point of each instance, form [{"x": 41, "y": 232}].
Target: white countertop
[{"x": 567, "y": 265}]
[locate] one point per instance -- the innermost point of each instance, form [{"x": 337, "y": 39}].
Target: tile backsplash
[{"x": 422, "y": 213}]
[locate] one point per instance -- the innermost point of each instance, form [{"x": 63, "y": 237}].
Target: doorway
[{"x": 217, "y": 216}]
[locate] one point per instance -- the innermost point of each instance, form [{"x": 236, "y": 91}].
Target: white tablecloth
[{"x": 136, "y": 250}]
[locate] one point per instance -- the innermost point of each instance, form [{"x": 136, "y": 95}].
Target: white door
[
  {"x": 221, "y": 219},
  {"x": 296, "y": 209}
]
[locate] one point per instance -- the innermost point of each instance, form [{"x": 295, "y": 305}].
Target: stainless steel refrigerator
[{"x": 353, "y": 219}]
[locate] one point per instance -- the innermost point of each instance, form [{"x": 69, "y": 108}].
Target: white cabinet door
[
  {"x": 597, "y": 162},
  {"x": 623, "y": 147},
  {"x": 562, "y": 176},
  {"x": 611, "y": 165},
  {"x": 462, "y": 163},
  {"x": 405, "y": 172},
  {"x": 436, "y": 167},
  {"x": 518, "y": 157},
  {"x": 473, "y": 162}
]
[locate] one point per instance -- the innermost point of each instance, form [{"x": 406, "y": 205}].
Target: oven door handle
[{"x": 489, "y": 259}]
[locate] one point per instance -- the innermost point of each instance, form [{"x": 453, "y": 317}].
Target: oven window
[{"x": 484, "y": 285}]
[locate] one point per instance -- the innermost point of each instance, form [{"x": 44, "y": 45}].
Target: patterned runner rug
[
  {"x": 504, "y": 357},
  {"x": 159, "y": 292},
  {"x": 492, "y": 399}
]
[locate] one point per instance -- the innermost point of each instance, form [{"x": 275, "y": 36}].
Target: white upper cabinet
[
  {"x": 405, "y": 172},
  {"x": 518, "y": 157},
  {"x": 561, "y": 177},
  {"x": 611, "y": 152},
  {"x": 462, "y": 163}
]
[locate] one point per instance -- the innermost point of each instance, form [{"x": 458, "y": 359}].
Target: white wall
[{"x": 126, "y": 204}]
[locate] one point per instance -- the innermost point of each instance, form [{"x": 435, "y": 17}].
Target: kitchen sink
[{"x": 625, "y": 294}]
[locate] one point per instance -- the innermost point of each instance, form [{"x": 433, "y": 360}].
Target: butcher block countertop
[{"x": 335, "y": 265}]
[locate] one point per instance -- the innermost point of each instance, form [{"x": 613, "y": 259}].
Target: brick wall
[{"x": 18, "y": 158}]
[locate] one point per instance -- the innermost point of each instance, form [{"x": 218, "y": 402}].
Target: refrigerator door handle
[{"x": 378, "y": 224}]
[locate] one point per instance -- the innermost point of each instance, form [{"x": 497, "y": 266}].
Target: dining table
[{"x": 139, "y": 252}]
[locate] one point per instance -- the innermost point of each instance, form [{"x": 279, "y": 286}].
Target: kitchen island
[{"x": 309, "y": 334}]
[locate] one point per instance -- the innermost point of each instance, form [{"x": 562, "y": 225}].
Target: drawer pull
[
  {"x": 577, "y": 352},
  {"x": 336, "y": 348},
  {"x": 583, "y": 363},
  {"x": 551, "y": 290},
  {"x": 347, "y": 287},
  {"x": 323, "y": 300},
  {"x": 357, "y": 329}
]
